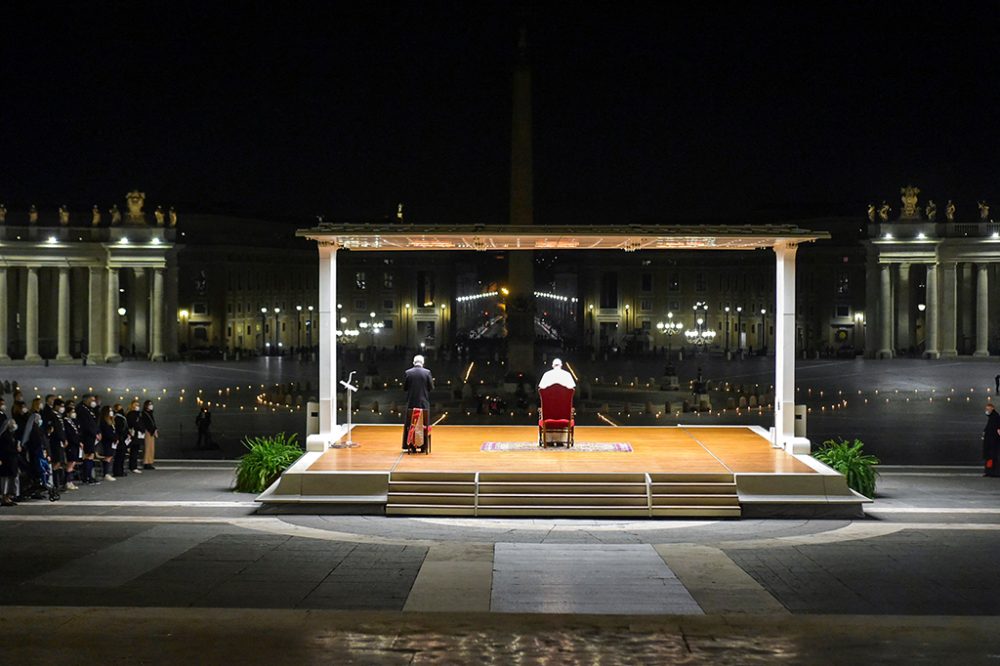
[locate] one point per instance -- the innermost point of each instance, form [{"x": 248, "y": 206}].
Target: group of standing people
[{"x": 51, "y": 445}]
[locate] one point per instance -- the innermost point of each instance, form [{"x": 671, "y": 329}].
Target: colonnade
[
  {"x": 84, "y": 300},
  {"x": 955, "y": 293}
]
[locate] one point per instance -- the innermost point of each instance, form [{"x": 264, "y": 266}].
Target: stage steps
[
  {"x": 562, "y": 494},
  {"x": 693, "y": 495}
]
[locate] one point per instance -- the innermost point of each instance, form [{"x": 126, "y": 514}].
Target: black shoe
[{"x": 148, "y": 467}]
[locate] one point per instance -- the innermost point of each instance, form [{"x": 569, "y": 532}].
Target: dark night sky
[{"x": 641, "y": 111}]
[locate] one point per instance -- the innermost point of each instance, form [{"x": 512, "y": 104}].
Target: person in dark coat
[
  {"x": 74, "y": 446},
  {"x": 991, "y": 442},
  {"x": 204, "y": 423},
  {"x": 52, "y": 416},
  {"x": 8, "y": 457},
  {"x": 86, "y": 418},
  {"x": 418, "y": 384},
  {"x": 121, "y": 434},
  {"x": 109, "y": 441},
  {"x": 135, "y": 441},
  {"x": 146, "y": 426}
]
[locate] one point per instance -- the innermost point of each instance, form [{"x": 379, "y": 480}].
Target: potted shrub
[
  {"x": 849, "y": 459},
  {"x": 267, "y": 458}
]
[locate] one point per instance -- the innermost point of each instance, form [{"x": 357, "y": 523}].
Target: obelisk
[{"x": 520, "y": 306}]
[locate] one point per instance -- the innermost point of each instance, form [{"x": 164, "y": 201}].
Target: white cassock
[{"x": 557, "y": 376}]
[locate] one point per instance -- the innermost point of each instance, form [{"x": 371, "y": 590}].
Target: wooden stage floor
[{"x": 678, "y": 449}]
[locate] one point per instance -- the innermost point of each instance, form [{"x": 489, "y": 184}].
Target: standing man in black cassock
[
  {"x": 418, "y": 384},
  {"x": 991, "y": 442}
]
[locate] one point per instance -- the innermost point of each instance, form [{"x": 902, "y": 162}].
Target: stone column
[
  {"x": 327, "y": 349},
  {"x": 949, "y": 301},
  {"x": 156, "y": 317},
  {"x": 96, "y": 315},
  {"x": 111, "y": 353},
  {"x": 966, "y": 303},
  {"x": 982, "y": 311},
  {"x": 904, "y": 327},
  {"x": 885, "y": 311},
  {"x": 3, "y": 315},
  {"x": 170, "y": 302},
  {"x": 140, "y": 317},
  {"x": 784, "y": 351},
  {"x": 931, "y": 318},
  {"x": 31, "y": 316},
  {"x": 62, "y": 353}
]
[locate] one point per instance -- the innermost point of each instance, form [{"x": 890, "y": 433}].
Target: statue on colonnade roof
[
  {"x": 871, "y": 212},
  {"x": 3, "y": 213},
  {"x": 931, "y": 210},
  {"x": 135, "y": 200},
  {"x": 116, "y": 215},
  {"x": 95, "y": 216},
  {"x": 949, "y": 211},
  {"x": 32, "y": 214},
  {"x": 159, "y": 215},
  {"x": 64, "y": 215},
  {"x": 173, "y": 216},
  {"x": 909, "y": 200},
  {"x": 984, "y": 211},
  {"x": 883, "y": 211}
]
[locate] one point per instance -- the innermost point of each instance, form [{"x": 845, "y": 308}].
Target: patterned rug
[{"x": 617, "y": 447}]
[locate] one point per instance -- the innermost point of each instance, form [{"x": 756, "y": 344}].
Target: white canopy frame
[{"x": 782, "y": 239}]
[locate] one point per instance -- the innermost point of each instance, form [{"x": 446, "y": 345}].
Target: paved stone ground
[{"x": 912, "y": 583}]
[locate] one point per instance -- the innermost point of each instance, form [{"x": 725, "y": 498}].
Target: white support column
[
  {"x": 62, "y": 353},
  {"x": 3, "y": 315},
  {"x": 784, "y": 351},
  {"x": 328, "y": 377},
  {"x": 111, "y": 353},
  {"x": 885, "y": 310},
  {"x": 931, "y": 317},
  {"x": 31, "y": 316},
  {"x": 949, "y": 310},
  {"x": 982, "y": 311},
  {"x": 156, "y": 317}
]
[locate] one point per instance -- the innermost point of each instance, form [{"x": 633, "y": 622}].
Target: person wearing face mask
[
  {"x": 33, "y": 445},
  {"x": 89, "y": 434},
  {"x": 73, "y": 450},
  {"x": 56, "y": 429},
  {"x": 991, "y": 442},
  {"x": 121, "y": 434},
  {"x": 147, "y": 425},
  {"x": 8, "y": 457},
  {"x": 109, "y": 441},
  {"x": 136, "y": 436}
]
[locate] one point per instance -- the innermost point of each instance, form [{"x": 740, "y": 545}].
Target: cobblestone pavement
[{"x": 911, "y": 583}]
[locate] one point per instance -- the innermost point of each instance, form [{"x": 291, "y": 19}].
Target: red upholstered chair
[{"x": 556, "y": 415}]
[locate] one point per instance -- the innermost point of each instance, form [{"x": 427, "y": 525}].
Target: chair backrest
[{"x": 557, "y": 401}]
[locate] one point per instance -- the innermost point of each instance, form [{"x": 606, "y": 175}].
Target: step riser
[
  {"x": 560, "y": 488},
  {"x": 569, "y": 477},
  {"x": 691, "y": 478},
  {"x": 505, "y": 500},
  {"x": 432, "y": 487},
  {"x": 693, "y": 489},
  {"x": 433, "y": 476},
  {"x": 698, "y": 500},
  {"x": 427, "y": 498}
]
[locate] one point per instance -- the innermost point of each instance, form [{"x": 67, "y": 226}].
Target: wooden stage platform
[{"x": 680, "y": 471}]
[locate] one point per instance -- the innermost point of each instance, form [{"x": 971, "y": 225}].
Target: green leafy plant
[
  {"x": 268, "y": 457},
  {"x": 849, "y": 459}
]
